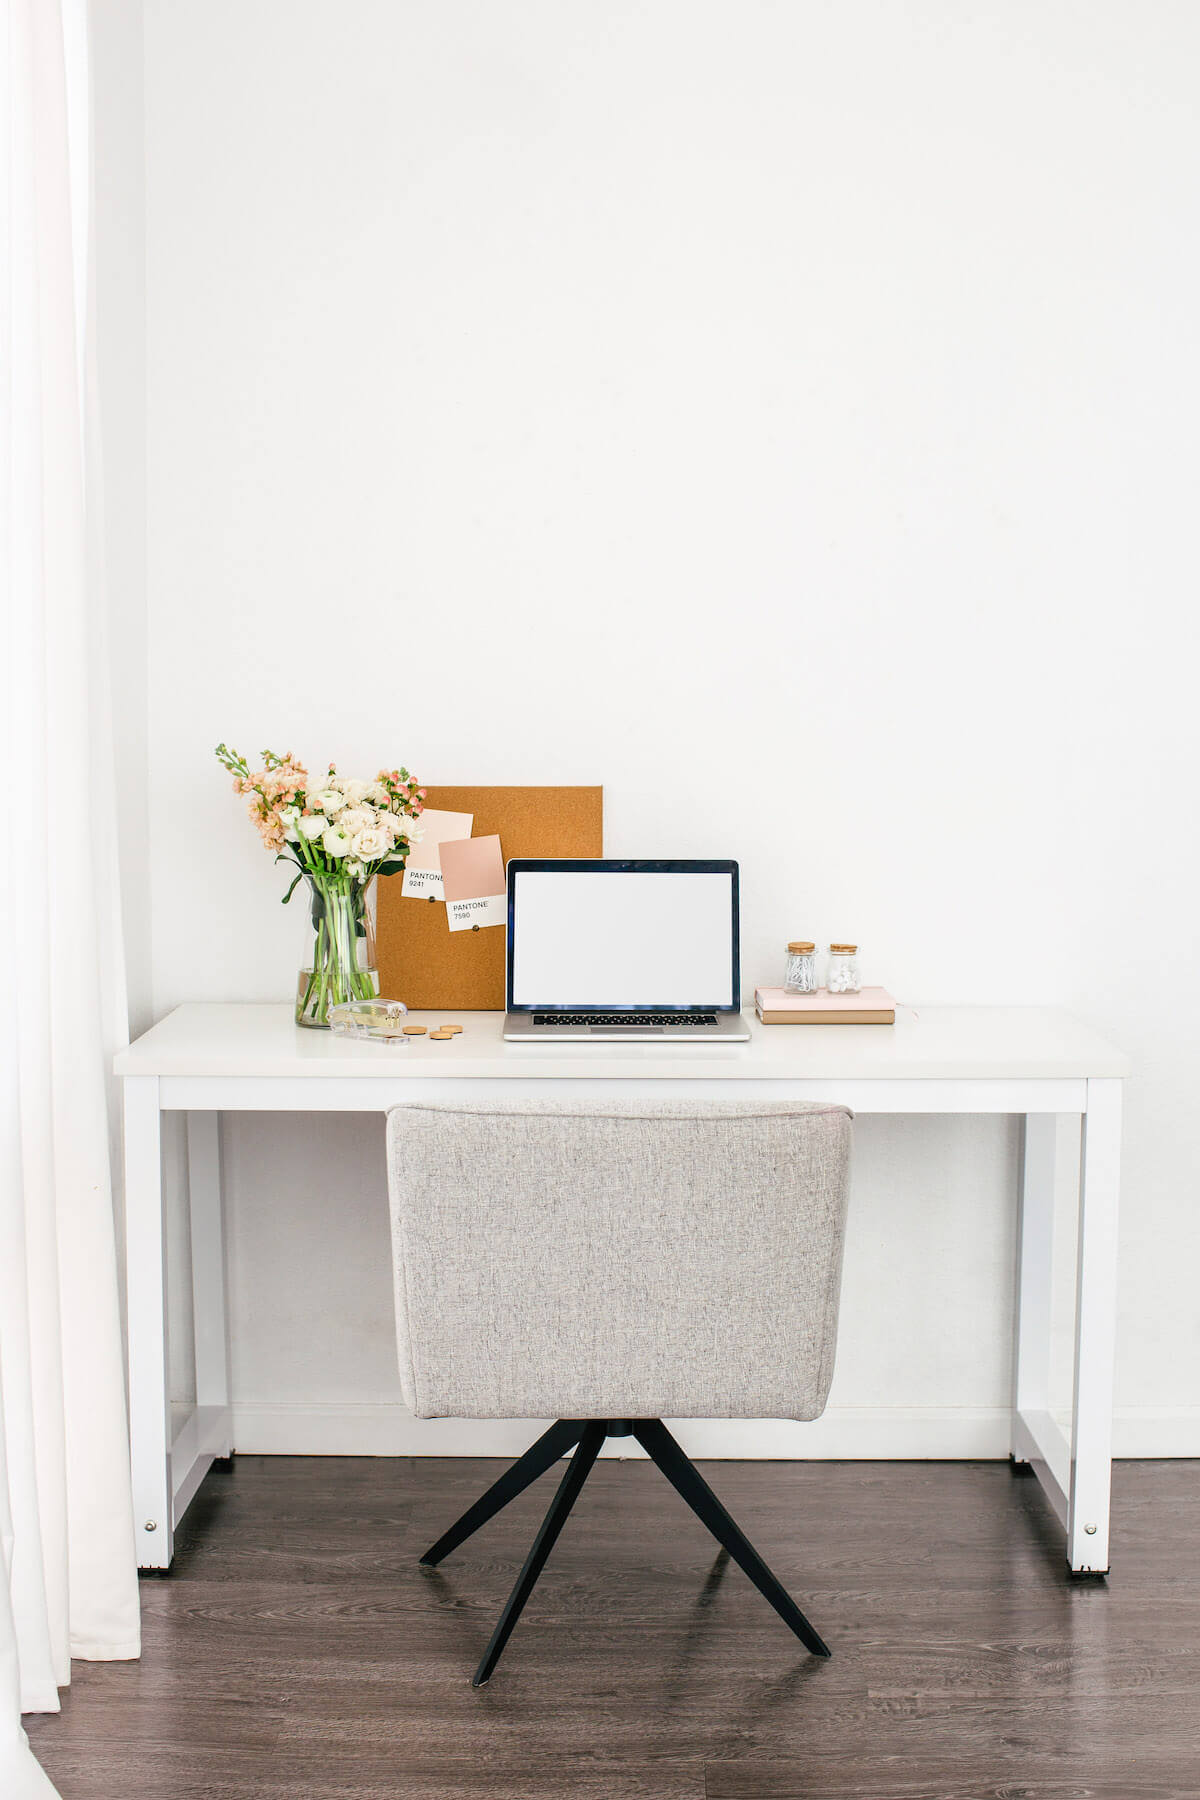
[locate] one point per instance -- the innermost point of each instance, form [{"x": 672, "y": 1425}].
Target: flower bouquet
[{"x": 339, "y": 834}]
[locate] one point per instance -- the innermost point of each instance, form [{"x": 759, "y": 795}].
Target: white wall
[
  {"x": 782, "y": 414},
  {"x": 118, "y": 111}
]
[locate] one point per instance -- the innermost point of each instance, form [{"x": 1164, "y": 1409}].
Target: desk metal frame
[{"x": 169, "y": 1466}]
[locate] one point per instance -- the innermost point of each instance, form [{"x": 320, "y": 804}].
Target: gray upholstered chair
[{"x": 609, "y": 1266}]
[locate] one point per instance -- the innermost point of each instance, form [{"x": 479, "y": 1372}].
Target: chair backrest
[{"x": 666, "y": 1260}]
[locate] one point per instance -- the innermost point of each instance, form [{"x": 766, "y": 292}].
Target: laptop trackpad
[{"x": 631, "y": 1031}]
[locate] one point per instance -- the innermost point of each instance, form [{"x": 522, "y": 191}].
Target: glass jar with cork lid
[
  {"x": 800, "y": 971},
  {"x": 843, "y": 969}
]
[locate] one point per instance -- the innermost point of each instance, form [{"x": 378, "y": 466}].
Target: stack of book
[{"x": 870, "y": 1006}]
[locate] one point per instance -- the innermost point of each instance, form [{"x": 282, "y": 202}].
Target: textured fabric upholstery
[{"x": 666, "y": 1260}]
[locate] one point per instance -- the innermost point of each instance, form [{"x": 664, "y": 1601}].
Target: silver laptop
[{"x": 601, "y": 949}]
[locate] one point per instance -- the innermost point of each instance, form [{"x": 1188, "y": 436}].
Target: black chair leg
[
  {"x": 687, "y": 1481},
  {"x": 568, "y": 1492},
  {"x": 537, "y": 1459}
]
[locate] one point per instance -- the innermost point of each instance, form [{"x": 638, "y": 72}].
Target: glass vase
[{"x": 339, "y": 964}]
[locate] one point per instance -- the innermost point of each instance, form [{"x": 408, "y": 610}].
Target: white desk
[{"x": 205, "y": 1060}]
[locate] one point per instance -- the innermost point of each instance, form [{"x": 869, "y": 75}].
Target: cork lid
[
  {"x": 843, "y": 949},
  {"x": 801, "y": 947}
]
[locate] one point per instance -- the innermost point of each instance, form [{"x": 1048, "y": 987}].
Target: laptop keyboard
[{"x": 649, "y": 1018}]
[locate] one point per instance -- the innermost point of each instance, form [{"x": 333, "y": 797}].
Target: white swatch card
[{"x": 423, "y": 871}]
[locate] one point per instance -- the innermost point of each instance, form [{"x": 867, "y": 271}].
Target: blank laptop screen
[{"x": 618, "y": 937}]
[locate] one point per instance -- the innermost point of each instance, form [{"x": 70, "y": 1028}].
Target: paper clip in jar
[
  {"x": 800, "y": 971},
  {"x": 843, "y": 969}
]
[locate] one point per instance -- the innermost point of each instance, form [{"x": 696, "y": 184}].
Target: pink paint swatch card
[
  {"x": 473, "y": 880},
  {"x": 422, "y": 871}
]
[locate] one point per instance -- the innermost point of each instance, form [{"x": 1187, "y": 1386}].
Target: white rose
[
  {"x": 334, "y": 841},
  {"x": 311, "y": 825},
  {"x": 372, "y": 843},
  {"x": 331, "y": 800},
  {"x": 375, "y": 794},
  {"x": 354, "y": 791}
]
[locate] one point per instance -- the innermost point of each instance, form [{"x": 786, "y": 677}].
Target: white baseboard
[
  {"x": 1156, "y": 1431},
  {"x": 853, "y": 1433}
]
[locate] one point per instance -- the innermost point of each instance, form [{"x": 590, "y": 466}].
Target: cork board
[{"x": 428, "y": 966}]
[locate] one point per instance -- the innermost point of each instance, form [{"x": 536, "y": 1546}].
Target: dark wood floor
[{"x": 297, "y": 1652}]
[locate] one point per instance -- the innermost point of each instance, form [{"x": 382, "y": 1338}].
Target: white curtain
[{"x": 68, "y": 1580}]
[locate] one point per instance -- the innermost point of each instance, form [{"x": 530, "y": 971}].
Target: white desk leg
[
  {"x": 1095, "y": 1329},
  {"x": 146, "y": 1283},
  {"x": 1035, "y": 1259},
  {"x": 208, "y": 1270}
]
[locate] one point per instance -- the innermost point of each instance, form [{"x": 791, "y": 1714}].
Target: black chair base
[{"x": 585, "y": 1437}]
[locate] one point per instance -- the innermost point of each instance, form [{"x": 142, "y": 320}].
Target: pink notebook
[{"x": 870, "y": 1006}]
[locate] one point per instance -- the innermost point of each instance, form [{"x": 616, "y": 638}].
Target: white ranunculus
[
  {"x": 312, "y": 825},
  {"x": 331, "y": 800},
  {"x": 289, "y": 818},
  {"x": 357, "y": 818},
  {"x": 375, "y": 794},
  {"x": 354, "y": 868},
  {"x": 334, "y": 841},
  {"x": 372, "y": 843},
  {"x": 353, "y": 790}
]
